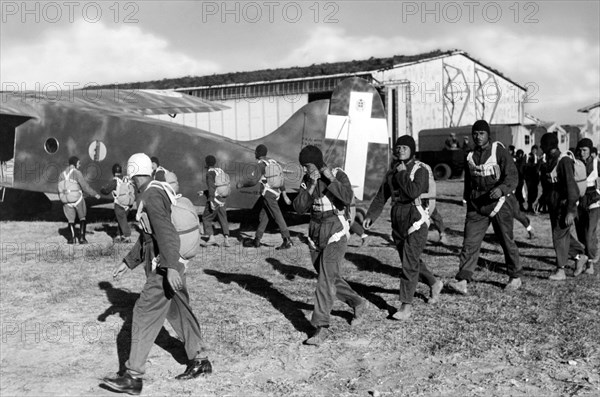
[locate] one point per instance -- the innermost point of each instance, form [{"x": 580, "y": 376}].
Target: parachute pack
[
  {"x": 273, "y": 173},
  {"x": 579, "y": 172},
  {"x": 432, "y": 191},
  {"x": 222, "y": 183},
  {"x": 350, "y": 210},
  {"x": 69, "y": 191},
  {"x": 124, "y": 194},
  {"x": 184, "y": 219},
  {"x": 170, "y": 178}
]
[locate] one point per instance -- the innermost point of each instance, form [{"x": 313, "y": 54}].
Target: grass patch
[{"x": 64, "y": 319}]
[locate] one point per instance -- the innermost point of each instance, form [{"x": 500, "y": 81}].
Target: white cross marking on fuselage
[{"x": 358, "y": 129}]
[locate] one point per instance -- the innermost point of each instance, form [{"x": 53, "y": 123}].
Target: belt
[
  {"x": 320, "y": 215},
  {"x": 399, "y": 202}
]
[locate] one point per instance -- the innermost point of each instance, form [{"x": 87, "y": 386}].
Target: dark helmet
[{"x": 116, "y": 169}]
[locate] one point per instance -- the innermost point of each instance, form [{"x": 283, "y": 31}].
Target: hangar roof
[
  {"x": 321, "y": 70},
  {"x": 588, "y": 108}
]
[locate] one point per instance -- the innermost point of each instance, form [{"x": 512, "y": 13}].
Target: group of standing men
[
  {"x": 324, "y": 193},
  {"x": 491, "y": 178}
]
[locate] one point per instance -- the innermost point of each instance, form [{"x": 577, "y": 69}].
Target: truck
[{"x": 450, "y": 163}]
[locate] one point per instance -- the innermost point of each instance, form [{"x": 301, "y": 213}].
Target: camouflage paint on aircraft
[{"x": 39, "y": 134}]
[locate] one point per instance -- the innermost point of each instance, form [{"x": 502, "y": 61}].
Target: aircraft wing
[
  {"x": 17, "y": 108},
  {"x": 141, "y": 102}
]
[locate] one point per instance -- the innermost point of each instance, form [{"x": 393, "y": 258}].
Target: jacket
[
  {"x": 163, "y": 240},
  {"x": 326, "y": 206}
]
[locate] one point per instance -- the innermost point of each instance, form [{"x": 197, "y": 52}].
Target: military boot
[
  {"x": 320, "y": 335},
  {"x": 82, "y": 239},
  {"x": 287, "y": 243},
  {"x": 580, "y": 263},
  {"x": 559, "y": 275},
  {"x": 404, "y": 312},
  {"x": 71, "y": 237},
  {"x": 590, "y": 268}
]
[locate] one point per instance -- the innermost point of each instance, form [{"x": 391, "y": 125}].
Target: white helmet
[{"x": 139, "y": 164}]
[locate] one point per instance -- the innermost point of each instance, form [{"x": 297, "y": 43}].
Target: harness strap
[
  {"x": 188, "y": 230},
  {"x": 76, "y": 203},
  {"x": 423, "y": 220},
  {"x": 499, "y": 205},
  {"x": 344, "y": 232}
]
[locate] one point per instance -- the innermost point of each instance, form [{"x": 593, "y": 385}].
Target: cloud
[
  {"x": 562, "y": 71},
  {"x": 333, "y": 44},
  {"x": 87, "y": 53}
]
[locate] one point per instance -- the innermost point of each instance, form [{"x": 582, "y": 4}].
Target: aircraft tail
[
  {"x": 350, "y": 129},
  {"x": 356, "y": 137}
]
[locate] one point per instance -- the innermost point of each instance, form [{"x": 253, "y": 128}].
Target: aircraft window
[
  {"x": 51, "y": 145},
  {"x": 97, "y": 150}
]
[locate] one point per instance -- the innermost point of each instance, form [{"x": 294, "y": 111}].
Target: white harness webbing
[
  {"x": 593, "y": 176},
  {"x": 144, "y": 219},
  {"x": 76, "y": 203},
  {"x": 217, "y": 172},
  {"x": 114, "y": 193},
  {"x": 323, "y": 204},
  {"x": 592, "y": 180},
  {"x": 499, "y": 205},
  {"x": 425, "y": 219},
  {"x": 489, "y": 168},
  {"x": 263, "y": 181}
]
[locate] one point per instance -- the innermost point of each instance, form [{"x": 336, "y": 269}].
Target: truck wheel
[{"x": 441, "y": 172}]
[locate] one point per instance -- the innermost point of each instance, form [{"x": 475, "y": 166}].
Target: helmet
[
  {"x": 139, "y": 164},
  {"x": 116, "y": 169}
]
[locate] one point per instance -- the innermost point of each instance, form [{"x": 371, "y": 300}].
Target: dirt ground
[{"x": 65, "y": 323}]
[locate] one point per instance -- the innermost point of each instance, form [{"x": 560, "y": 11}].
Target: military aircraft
[{"x": 40, "y": 132}]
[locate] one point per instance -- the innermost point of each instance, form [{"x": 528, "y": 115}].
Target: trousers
[
  {"x": 330, "y": 284},
  {"x": 208, "y": 217},
  {"x": 474, "y": 232},
  {"x": 270, "y": 210},
  {"x": 587, "y": 231},
  {"x": 156, "y": 303},
  {"x": 564, "y": 239},
  {"x": 413, "y": 268},
  {"x": 121, "y": 215}
]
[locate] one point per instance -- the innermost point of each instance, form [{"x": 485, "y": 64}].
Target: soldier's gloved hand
[
  {"x": 286, "y": 199},
  {"x": 326, "y": 172},
  {"x": 120, "y": 269},
  {"x": 401, "y": 167},
  {"x": 314, "y": 176},
  {"x": 570, "y": 219},
  {"x": 367, "y": 223},
  {"x": 174, "y": 279},
  {"x": 97, "y": 197},
  {"x": 495, "y": 193}
]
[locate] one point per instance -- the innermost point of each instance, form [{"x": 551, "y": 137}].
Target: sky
[{"x": 551, "y": 47}]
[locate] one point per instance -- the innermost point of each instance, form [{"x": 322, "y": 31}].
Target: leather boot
[
  {"x": 71, "y": 238},
  {"x": 82, "y": 239},
  {"x": 558, "y": 276},
  {"x": 404, "y": 312},
  {"x": 125, "y": 384},
  {"x": 287, "y": 243},
  {"x": 320, "y": 335},
  {"x": 195, "y": 368}
]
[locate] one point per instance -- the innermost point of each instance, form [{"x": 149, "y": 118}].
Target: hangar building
[{"x": 434, "y": 90}]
